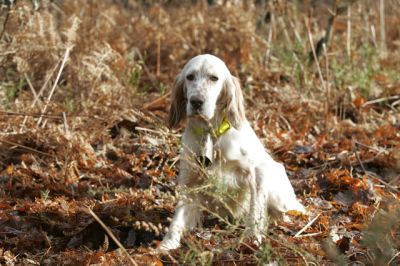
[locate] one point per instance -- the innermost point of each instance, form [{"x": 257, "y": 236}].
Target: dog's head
[{"x": 204, "y": 88}]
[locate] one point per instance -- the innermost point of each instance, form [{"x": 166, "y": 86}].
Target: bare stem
[
  {"x": 110, "y": 233},
  {"x": 66, "y": 55}
]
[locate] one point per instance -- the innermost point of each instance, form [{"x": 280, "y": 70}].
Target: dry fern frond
[
  {"x": 36, "y": 42},
  {"x": 96, "y": 67},
  {"x": 71, "y": 33}
]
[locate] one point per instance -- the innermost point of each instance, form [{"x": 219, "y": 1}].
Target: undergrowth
[{"x": 84, "y": 93}]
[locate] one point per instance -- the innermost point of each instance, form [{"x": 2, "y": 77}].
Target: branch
[{"x": 336, "y": 10}]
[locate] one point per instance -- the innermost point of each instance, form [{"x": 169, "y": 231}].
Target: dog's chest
[
  {"x": 229, "y": 173},
  {"x": 228, "y": 186}
]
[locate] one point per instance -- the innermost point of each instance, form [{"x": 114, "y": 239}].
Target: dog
[{"x": 220, "y": 145}]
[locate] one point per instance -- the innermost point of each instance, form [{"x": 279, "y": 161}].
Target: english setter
[{"x": 220, "y": 145}]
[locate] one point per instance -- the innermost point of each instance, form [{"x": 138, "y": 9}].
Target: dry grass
[{"x": 84, "y": 95}]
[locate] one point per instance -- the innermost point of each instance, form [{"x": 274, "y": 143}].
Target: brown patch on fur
[
  {"x": 178, "y": 103},
  {"x": 231, "y": 102}
]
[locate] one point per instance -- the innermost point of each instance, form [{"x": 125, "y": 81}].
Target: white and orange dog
[{"x": 217, "y": 130}]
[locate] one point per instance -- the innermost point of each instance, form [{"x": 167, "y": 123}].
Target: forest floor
[{"x": 84, "y": 96}]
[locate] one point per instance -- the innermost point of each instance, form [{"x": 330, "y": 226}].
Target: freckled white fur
[{"x": 242, "y": 165}]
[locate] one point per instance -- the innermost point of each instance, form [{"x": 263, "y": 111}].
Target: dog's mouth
[
  {"x": 199, "y": 116},
  {"x": 206, "y": 152},
  {"x": 205, "y": 161},
  {"x": 196, "y": 112}
]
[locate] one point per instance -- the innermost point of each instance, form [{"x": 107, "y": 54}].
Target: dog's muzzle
[{"x": 196, "y": 103}]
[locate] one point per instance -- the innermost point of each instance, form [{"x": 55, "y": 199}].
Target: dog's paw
[
  {"x": 169, "y": 244},
  {"x": 257, "y": 239},
  {"x": 254, "y": 235}
]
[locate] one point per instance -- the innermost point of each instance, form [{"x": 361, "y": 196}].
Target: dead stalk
[
  {"x": 158, "y": 55},
  {"x": 358, "y": 159},
  {"x": 156, "y": 102},
  {"x": 296, "y": 34},
  {"x": 349, "y": 32},
  {"x": 307, "y": 225},
  {"x": 110, "y": 233},
  {"x": 25, "y": 147},
  {"x": 66, "y": 130},
  {"x": 311, "y": 234},
  {"x": 65, "y": 58},
  {"x": 310, "y": 38},
  {"x": 158, "y": 132},
  {"x": 36, "y": 99},
  {"x": 382, "y": 25},
  {"x": 158, "y": 45},
  {"x": 328, "y": 87},
  {"x": 393, "y": 258},
  {"x": 5, "y": 24},
  {"x": 291, "y": 248},
  {"x": 268, "y": 52},
  {"x": 30, "y": 85},
  {"x": 373, "y": 34},
  {"x": 384, "y": 99},
  {"x": 153, "y": 80},
  {"x": 285, "y": 32}
]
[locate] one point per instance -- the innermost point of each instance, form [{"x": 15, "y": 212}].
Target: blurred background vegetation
[{"x": 84, "y": 92}]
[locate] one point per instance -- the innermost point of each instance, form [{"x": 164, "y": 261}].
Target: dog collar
[
  {"x": 219, "y": 131},
  {"x": 222, "y": 128}
]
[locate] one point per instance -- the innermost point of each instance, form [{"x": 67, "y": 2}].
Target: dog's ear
[
  {"x": 178, "y": 102},
  {"x": 232, "y": 102}
]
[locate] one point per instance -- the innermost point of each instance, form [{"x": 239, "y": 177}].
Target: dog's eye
[
  {"x": 213, "y": 78},
  {"x": 190, "y": 77}
]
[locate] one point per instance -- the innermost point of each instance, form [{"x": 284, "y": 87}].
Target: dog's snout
[{"x": 196, "y": 102}]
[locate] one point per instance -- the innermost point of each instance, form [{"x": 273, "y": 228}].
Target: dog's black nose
[{"x": 196, "y": 102}]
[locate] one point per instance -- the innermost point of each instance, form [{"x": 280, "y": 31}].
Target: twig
[
  {"x": 314, "y": 54},
  {"x": 157, "y": 132},
  {"x": 66, "y": 130},
  {"x": 372, "y": 174},
  {"x": 294, "y": 248},
  {"x": 156, "y": 102},
  {"x": 174, "y": 261},
  {"x": 307, "y": 225},
  {"x": 337, "y": 10},
  {"x": 369, "y": 147},
  {"x": 158, "y": 65},
  {"x": 50, "y": 116},
  {"x": 39, "y": 94},
  {"x": 30, "y": 85},
  {"x": 373, "y": 34},
  {"x": 269, "y": 45},
  {"x": 66, "y": 55},
  {"x": 381, "y": 100},
  {"x": 393, "y": 258},
  {"x": 8, "y": 52},
  {"x": 153, "y": 80},
  {"x": 112, "y": 236},
  {"x": 5, "y": 24},
  {"x": 315, "y": 57},
  {"x": 296, "y": 34},
  {"x": 328, "y": 87},
  {"x": 393, "y": 105},
  {"x": 25, "y": 147},
  {"x": 286, "y": 122},
  {"x": 311, "y": 234},
  {"x": 358, "y": 159},
  {"x": 349, "y": 32},
  {"x": 382, "y": 25},
  {"x": 285, "y": 32}
]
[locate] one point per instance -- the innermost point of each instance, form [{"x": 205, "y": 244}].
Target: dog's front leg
[
  {"x": 184, "y": 218},
  {"x": 257, "y": 206}
]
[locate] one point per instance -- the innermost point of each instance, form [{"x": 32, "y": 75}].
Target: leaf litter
[{"x": 100, "y": 140}]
